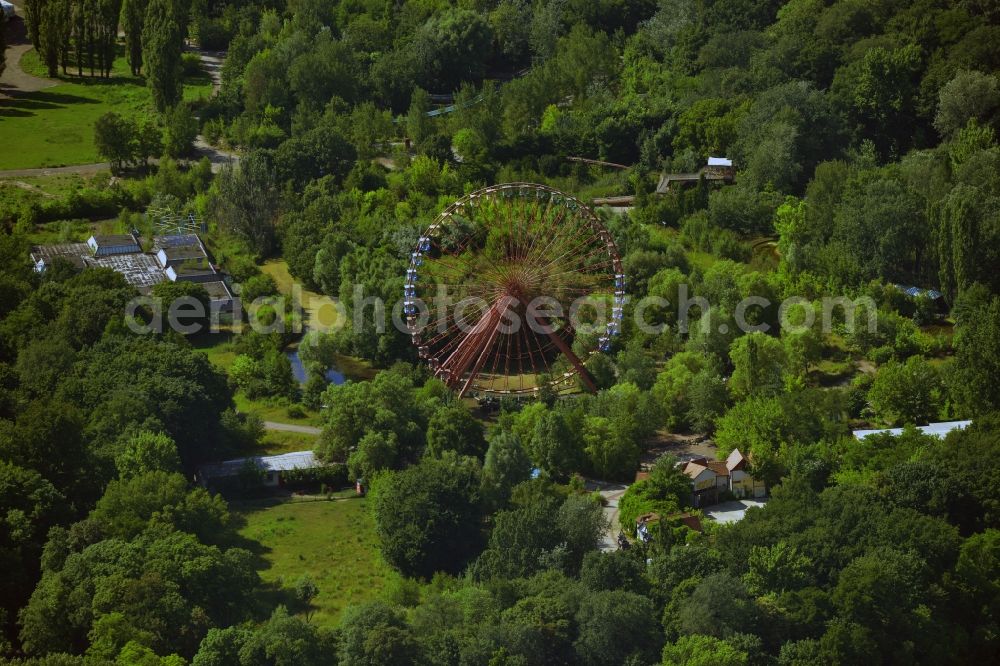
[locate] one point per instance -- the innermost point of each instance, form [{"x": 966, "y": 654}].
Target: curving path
[{"x": 15, "y": 80}]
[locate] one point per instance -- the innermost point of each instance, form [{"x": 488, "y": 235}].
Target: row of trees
[
  {"x": 80, "y": 32},
  {"x": 84, "y": 34}
]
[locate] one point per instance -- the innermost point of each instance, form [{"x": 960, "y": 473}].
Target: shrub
[{"x": 191, "y": 64}]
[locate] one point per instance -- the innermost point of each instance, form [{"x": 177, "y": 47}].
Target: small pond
[{"x": 333, "y": 374}]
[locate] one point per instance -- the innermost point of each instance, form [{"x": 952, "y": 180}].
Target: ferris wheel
[{"x": 511, "y": 289}]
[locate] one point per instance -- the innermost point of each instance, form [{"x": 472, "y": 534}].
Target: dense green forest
[{"x": 863, "y": 133}]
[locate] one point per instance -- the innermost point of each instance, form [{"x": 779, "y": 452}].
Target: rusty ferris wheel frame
[{"x": 504, "y": 248}]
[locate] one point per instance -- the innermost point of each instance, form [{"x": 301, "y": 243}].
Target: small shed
[{"x": 196, "y": 269}]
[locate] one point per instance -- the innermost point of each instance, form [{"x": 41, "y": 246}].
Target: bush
[
  {"x": 332, "y": 476},
  {"x": 212, "y": 34},
  {"x": 191, "y": 64},
  {"x": 126, "y": 141},
  {"x": 182, "y": 128},
  {"x": 213, "y": 130}
]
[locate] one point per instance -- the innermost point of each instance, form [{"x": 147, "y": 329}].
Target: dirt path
[
  {"x": 14, "y": 80},
  {"x": 212, "y": 62},
  {"x": 681, "y": 446},
  {"x": 290, "y": 427},
  {"x": 31, "y": 188},
  {"x": 82, "y": 169}
]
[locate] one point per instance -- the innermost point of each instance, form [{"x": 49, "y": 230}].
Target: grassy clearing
[
  {"x": 332, "y": 542},
  {"x": 276, "y": 442},
  {"x": 320, "y": 310},
  {"x": 55, "y": 126},
  {"x": 275, "y": 410},
  {"x": 59, "y": 184},
  {"x": 217, "y": 346}
]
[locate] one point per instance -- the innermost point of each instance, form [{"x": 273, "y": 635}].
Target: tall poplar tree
[
  {"x": 107, "y": 33},
  {"x": 161, "y": 53},
  {"x": 33, "y": 18},
  {"x": 133, "y": 17},
  {"x": 3, "y": 43},
  {"x": 53, "y": 26}
]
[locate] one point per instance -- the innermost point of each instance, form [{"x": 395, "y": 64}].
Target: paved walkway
[
  {"x": 291, "y": 427},
  {"x": 611, "y": 492},
  {"x": 15, "y": 80},
  {"x": 731, "y": 512},
  {"x": 211, "y": 62}
]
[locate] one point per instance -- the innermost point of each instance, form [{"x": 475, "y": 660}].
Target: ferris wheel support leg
[
  {"x": 561, "y": 345},
  {"x": 471, "y": 348},
  {"x": 480, "y": 361}
]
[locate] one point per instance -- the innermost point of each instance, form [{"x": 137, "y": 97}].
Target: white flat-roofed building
[
  {"x": 935, "y": 429},
  {"x": 107, "y": 244},
  {"x": 270, "y": 467}
]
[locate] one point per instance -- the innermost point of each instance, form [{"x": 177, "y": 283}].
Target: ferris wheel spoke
[
  {"x": 553, "y": 276},
  {"x": 491, "y": 334},
  {"x": 470, "y": 269},
  {"x": 560, "y": 231},
  {"x": 528, "y": 215},
  {"x": 563, "y": 231},
  {"x": 570, "y": 246},
  {"x": 576, "y": 256},
  {"x": 563, "y": 251},
  {"x": 453, "y": 333}
]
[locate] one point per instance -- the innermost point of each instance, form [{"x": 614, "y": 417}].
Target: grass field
[
  {"x": 276, "y": 442},
  {"x": 333, "y": 542},
  {"x": 55, "y": 126},
  {"x": 320, "y": 311},
  {"x": 274, "y": 410}
]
